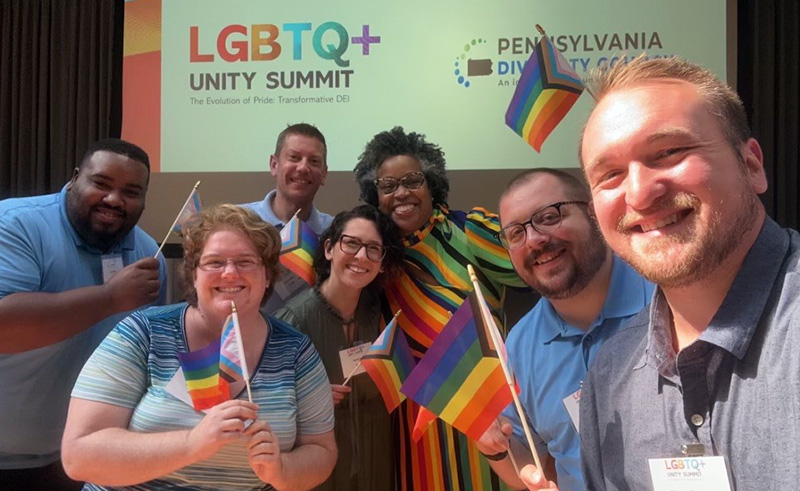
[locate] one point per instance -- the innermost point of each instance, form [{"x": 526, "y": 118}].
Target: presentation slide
[{"x": 208, "y": 84}]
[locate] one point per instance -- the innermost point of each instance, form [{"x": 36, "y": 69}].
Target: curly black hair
[
  {"x": 395, "y": 142},
  {"x": 388, "y": 231}
]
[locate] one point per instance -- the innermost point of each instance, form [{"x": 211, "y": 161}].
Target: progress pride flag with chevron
[{"x": 546, "y": 91}]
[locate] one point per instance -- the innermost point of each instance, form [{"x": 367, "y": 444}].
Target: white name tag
[
  {"x": 690, "y": 474},
  {"x": 350, "y": 358},
  {"x": 572, "y": 403},
  {"x": 112, "y": 263}
]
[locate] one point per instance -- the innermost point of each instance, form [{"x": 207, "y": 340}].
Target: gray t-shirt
[{"x": 735, "y": 390}]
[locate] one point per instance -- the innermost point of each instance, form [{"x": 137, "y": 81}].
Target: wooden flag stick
[
  {"x": 513, "y": 460},
  {"x": 197, "y": 185},
  {"x": 396, "y": 314},
  {"x": 589, "y": 90},
  {"x": 509, "y": 380},
  {"x": 238, "y": 332},
  {"x": 352, "y": 372}
]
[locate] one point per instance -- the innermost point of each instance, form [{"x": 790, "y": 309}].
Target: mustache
[
  {"x": 680, "y": 200},
  {"x": 115, "y": 209},
  {"x": 530, "y": 259}
]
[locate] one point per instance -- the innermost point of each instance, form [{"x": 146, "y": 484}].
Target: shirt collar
[
  {"x": 128, "y": 243},
  {"x": 314, "y": 217},
  {"x": 625, "y": 297},
  {"x": 734, "y": 324},
  {"x": 439, "y": 215}
]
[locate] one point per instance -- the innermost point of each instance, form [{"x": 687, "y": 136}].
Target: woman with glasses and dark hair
[
  {"x": 128, "y": 424},
  {"x": 356, "y": 253},
  {"x": 404, "y": 176}
]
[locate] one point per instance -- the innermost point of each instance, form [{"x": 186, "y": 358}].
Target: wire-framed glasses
[
  {"x": 410, "y": 181},
  {"x": 545, "y": 221},
  {"x": 216, "y": 264}
]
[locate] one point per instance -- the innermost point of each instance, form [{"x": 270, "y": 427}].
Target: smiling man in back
[
  {"x": 299, "y": 166},
  {"x": 73, "y": 264}
]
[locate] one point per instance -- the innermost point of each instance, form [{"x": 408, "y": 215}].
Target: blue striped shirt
[{"x": 132, "y": 367}]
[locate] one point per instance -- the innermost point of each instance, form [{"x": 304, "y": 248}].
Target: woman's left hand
[{"x": 264, "y": 451}]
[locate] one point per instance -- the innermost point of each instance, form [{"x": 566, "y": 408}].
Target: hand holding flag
[{"x": 503, "y": 358}]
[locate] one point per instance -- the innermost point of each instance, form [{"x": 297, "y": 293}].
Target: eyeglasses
[
  {"x": 544, "y": 221},
  {"x": 411, "y": 181},
  {"x": 218, "y": 264},
  {"x": 351, "y": 245}
]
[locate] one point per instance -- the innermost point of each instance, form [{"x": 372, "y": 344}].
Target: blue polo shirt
[
  {"x": 550, "y": 359},
  {"x": 317, "y": 220},
  {"x": 42, "y": 252}
]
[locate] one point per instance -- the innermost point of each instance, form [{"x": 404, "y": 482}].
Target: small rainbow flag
[
  {"x": 298, "y": 245},
  {"x": 547, "y": 89},
  {"x": 201, "y": 371},
  {"x": 388, "y": 362},
  {"x": 460, "y": 378},
  {"x": 191, "y": 207}
]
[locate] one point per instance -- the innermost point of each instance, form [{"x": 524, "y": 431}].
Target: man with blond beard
[{"x": 710, "y": 369}]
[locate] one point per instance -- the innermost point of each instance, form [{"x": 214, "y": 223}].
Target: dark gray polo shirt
[{"x": 736, "y": 389}]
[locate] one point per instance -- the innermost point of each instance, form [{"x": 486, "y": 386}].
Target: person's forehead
[
  {"x": 108, "y": 162},
  {"x": 528, "y": 197},
  {"x": 398, "y": 166},
  {"x": 361, "y": 227},
  {"x": 298, "y": 142},
  {"x": 640, "y": 110}
]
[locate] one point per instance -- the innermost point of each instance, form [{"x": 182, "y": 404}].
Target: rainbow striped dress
[{"x": 444, "y": 458}]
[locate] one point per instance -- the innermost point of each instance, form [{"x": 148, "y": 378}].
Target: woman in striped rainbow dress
[
  {"x": 404, "y": 176},
  {"x": 131, "y": 424}
]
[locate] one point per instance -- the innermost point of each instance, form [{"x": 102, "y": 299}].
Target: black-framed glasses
[
  {"x": 215, "y": 264},
  {"x": 545, "y": 221},
  {"x": 351, "y": 245},
  {"x": 410, "y": 181}
]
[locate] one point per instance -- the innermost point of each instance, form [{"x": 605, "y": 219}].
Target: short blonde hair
[
  {"x": 722, "y": 101},
  {"x": 264, "y": 237}
]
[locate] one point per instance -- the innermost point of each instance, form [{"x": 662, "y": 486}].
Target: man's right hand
[
  {"x": 134, "y": 285},
  {"x": 495, "y": 439}
]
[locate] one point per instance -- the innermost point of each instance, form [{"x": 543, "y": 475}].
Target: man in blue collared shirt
[
  {"x": 556, "y": 247},
  {"x": 72, "y": 265},
  {"x": 299, "y": 166}
]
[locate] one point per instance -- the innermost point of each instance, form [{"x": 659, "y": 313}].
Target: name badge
[
  {"x": 289, "y": 284},
  {"x": 112, "y": 263},
  {"x": 690, "y": 474},
  {"x": 572, "y": 403},
  {"x": 350, "y": 358}
]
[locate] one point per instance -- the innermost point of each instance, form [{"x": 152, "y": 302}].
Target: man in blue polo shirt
[
  {"x": 299, "y": 166},
  {"x": 73, "y": 264},
  {"x": 588, "y": 293}
]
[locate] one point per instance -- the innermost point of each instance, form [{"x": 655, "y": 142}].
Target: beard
[
  {"x": 592, "y": 253},
  {"x": 681, "y": 259},
  {"x": 101, "y": 238}
]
